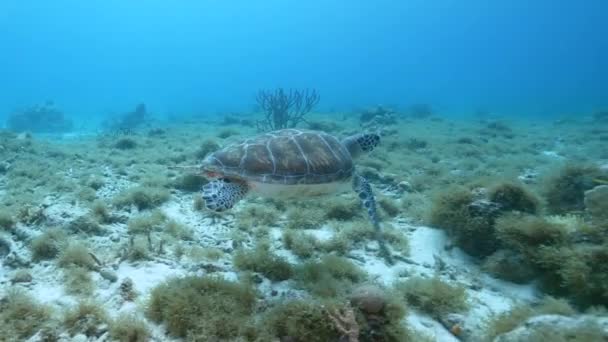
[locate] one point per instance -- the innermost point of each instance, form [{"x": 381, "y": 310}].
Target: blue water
[{"x": 94, "y": 58}]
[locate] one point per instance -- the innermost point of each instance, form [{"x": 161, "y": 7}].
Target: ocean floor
[{"x": 96, "y": 229}]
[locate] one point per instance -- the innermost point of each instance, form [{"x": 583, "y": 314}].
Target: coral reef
[{"x": 85, "y": 225}]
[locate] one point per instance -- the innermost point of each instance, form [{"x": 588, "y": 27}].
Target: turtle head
[{"x": 361, "y": 143}]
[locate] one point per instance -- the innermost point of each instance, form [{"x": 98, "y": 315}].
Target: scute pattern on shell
[{"x": 288, "y": 156}]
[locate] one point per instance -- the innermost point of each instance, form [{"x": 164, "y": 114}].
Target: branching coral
[{"x": 285, "y": 109}]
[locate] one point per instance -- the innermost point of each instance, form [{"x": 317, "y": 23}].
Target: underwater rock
[
  {"x": 377, "y": 115},
  {"x": 21, "y": 277},
  {"x": 127, "y": 290},
  {"x": 45, "y": 118},
  {"x": 560, "y": 328},
  {"x": 455, "y": 324},
  {"x": 596, "y": 201},
  {"x": 601, "y": 116},
  {"x": 108, "y": 275},
  {"x": 129, "y": 121},
  {"x": 484, "y": 208},
  {"x": 5, "y": 247},
  {"x": 420, "y": 111},
  {"x": 404, "y": 186},
  {"x": 14, "y": 260}
]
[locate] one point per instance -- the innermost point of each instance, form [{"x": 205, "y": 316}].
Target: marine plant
[
  {"x": 510, "y": 265},
  {"x": 125, "y": 144},
  {"x": 514, "y": 197},
  {"x": 21, "y": 316},
  {"x": 469, "y": 223},
  {"x": 86, "y": 225},
  {"x": 300, "y": 243},
  {"x": 77, "y": 254},
  {"x": 178, "y": 230},
  {"x": 48, "y": 245},
  {"x": 578, "y": 272},
  {"x": 255, "y": 215},
  {"x": 202, "y": 308},
  {"x": 142, "y": 197},
  {"x": 509, "y": 320},
  {"x": 565, "y": 191},
  {"x": 589, "y": 329},
  {"x": 227, "y": 133},
  {"x": 380, "y": 314},
  {"x": 389, "y": 206},
  {"x": 189, "y": 182},
  {"x": 87, "y": 318},
  {"x": 433, "y": 295},
  {"x": 95, "y": 182},
  {"x": 263, "y": 261},
  {"x": 129, "y": 328},
  {"x": 101, "y": 212},
  {"x": 304, "y": 218},
  {"x": 301, "y": 320},
  {"x": 6, "y": 220},
  {"x": 206, "y": 147},
  {"x": 78, "y": 281},
  {"x": 198, "y": 253},
  {"x": 337, "y": 244},
  {"x": 342, "y": 209},
  {"x": 138, "y": 249},
  {"x": 526, "y": 233},
  {"x": 330, "y": 276},
  {"x": 146, "y": 223}
]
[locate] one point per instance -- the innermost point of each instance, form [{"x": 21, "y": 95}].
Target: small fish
[{"x": 600, "y": 181}]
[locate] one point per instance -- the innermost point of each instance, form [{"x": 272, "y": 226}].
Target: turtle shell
[{"x": 287, "y": 156}]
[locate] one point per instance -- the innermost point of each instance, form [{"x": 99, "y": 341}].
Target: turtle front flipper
[
  {"x": 366, "y": 195},
  {"x": 222, "y": 194}
]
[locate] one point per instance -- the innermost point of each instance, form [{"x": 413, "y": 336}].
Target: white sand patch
[
  {"x": 552, "y": 154},
  {"x": 430, "y": 327}
]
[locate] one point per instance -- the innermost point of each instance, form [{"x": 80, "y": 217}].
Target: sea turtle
[{"x": 288, "y": 163}]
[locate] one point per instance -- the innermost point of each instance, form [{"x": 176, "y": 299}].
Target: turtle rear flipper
[
  {"x": 366, "y": 195},
  {"x": 222, "y": 194}
]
